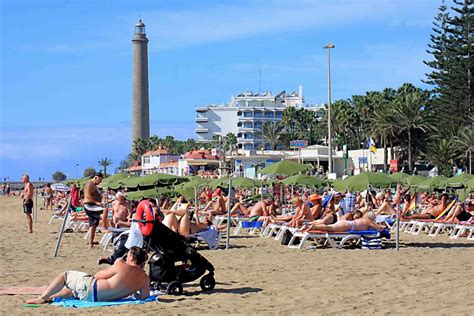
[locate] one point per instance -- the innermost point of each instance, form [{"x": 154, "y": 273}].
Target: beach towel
[
  {"x": 135, "y": 237},
  {"x": 74, "y": 302},
  {"x": 210, "y": 237}
]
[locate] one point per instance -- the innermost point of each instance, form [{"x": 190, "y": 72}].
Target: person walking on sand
[
  {"x": 124, "y": 278},
  {"x": 93, "y": 205},
  {"x": 27, "y": 196}
]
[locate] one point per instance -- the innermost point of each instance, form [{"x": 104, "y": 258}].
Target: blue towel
[
  {"x": 384, "y": 233},
  {"x": 74, "y": 302}
]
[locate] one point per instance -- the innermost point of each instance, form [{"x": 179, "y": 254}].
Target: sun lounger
[
  {"x": 250, "y": 227},
  {"x": 461, "y": 229},
  {"x": 333, "y": 239}
]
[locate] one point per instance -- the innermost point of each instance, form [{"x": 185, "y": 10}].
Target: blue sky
[{"x": 66, "y": 65}]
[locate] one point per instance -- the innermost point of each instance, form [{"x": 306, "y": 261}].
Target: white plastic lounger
[
  {"x": 335, "y": 240},
  {"x": 439, "y": 228},
  {"x": 461, "y": 229}
]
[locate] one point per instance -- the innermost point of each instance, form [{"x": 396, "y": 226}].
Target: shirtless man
[
  {"x": 93, "y": 205},
  {"x": 261, "y": 208},
  {"x": 432, "y": 212},
  {"x": 118, "y": 281},
  {"x": 121, "y": 211},
  {"x": 217, "y": 203},
  {"x": 27, "y": 196},
  {"x": 48, "y": 197},
  {"x": 364, "y": 223}
]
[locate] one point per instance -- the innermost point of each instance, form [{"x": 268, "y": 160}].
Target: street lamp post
[{"x": 328, "y": 47}]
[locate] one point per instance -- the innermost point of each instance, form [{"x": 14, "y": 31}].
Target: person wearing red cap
[{"x": 217, "y": 204}]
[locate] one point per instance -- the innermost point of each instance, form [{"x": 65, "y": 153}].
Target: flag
[
  {"x": 412, "y": 206},
  {"x": 371, "y": 145}
]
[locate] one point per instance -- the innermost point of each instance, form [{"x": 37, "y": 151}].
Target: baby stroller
[{"x": 175, "y": 262}]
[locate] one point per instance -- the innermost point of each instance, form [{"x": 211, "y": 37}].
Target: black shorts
[
  {"x": 28, "y": 206},
  {"x": 94, "y": 216},
  {"x": 464, "y": 216},
  {"x": 432, "y": 216}
]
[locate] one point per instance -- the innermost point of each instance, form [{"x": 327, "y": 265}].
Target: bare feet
[{"x": 38, "y": 300}]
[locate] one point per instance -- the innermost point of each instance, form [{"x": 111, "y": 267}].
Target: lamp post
[{"x": 328, "y": 47}]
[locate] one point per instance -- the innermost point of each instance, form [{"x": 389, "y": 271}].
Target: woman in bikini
[{"x": 364, "y": 223}]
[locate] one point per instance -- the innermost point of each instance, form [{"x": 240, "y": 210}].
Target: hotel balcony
[
  {"x": 201, "y": 108},
  {"x": 202, "y": 130},
  {"x": 201, "y": 119}
]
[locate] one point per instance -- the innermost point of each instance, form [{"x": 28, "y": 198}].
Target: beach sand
[{"x": 258, "y": 275}]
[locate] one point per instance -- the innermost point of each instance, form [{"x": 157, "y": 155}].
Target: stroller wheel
[
  {"x": 207, "y": 283},
  {"x": 174, "y": 288}
]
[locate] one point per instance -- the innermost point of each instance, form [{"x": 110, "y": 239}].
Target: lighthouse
[{"x": 140, "y": 104}]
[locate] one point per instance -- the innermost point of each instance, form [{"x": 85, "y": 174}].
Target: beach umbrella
[
  {"x": 459, "y": 181},
  {"x": 285, "y": 167},
  {"x": 60, "y": 187},
  {"x": 243, "y": 182},
  {"x": 221, "y": 182},
  {"x": 303, "y": 180},
  {"x": 113, "y": 182},
  {"x": 470, "y": 185},
  {"x": 398, "y": 177},
  {"x": 188, "y": 193},
  {"x": 160, "y": 179},
  {"x": 150, "y": 193},
  {"x": 196, "y": 182},
  {"x": 364, "y": 180},
  {"x": 340, "y": 184},
  {"x": 130, "y": 182},
  {"x": 438, "y": 182},
  {"x": 414, "y": 179}
]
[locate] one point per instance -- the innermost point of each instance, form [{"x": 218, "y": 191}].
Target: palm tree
[
  {"x": 105, "y": 162},
  {"x": 411, "y": 116},
  {"x": 465, "y": 139},
  {"x": 272, "y": 133},
  {"x": 443, "y": 154},
  {"x": 382, "y": 126}
]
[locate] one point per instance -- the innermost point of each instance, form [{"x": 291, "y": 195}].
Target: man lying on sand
[{"x": 116, "y": 282}]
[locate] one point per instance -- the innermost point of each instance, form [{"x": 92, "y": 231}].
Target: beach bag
[{"x": 285, "y": 240}]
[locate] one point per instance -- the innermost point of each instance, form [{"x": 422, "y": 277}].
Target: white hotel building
[{"x": 245, "y": 115}]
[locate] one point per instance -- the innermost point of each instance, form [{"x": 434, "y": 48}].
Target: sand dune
[{"x": 258, "y": 275}]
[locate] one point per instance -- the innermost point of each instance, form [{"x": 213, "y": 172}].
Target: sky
[{"x": 65, "y": 85}]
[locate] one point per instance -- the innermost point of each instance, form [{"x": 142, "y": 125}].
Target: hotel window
[
  {"x": 146, "y": 160},
  {"x": 269, "y": 114},
  {"x": 239, "y": 113},
  {"x": 248, "y": 136},
  {"x": 248, "y": 146},
  {"x": 258, "y": 114},
  {"x": 247, "y": 125},
  {"x": 278, "y": 114},
  {"x": 258, "y": 125},
  {"x": 248, "y": 114}
]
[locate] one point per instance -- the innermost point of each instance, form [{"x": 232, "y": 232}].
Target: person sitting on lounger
[
  {"x": 364, "y": 223},
  {"x": 123, "y": 278},
  {"x": 317, "y": 208},
  {"x": 432, "y": 212},
  {"x": 121, "y": 212},
  {"x": 217, "y": 204},
  {"x": 302, "y": 214},
  {"x": 461, "y": 212}
]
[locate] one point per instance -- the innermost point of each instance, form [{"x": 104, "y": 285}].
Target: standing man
[
  {"x": 27, "y": 196},
  {"x": 93, "y": 205}
]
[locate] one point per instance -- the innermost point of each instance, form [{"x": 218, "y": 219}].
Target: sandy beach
[{"x": 258, "y": 275}]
